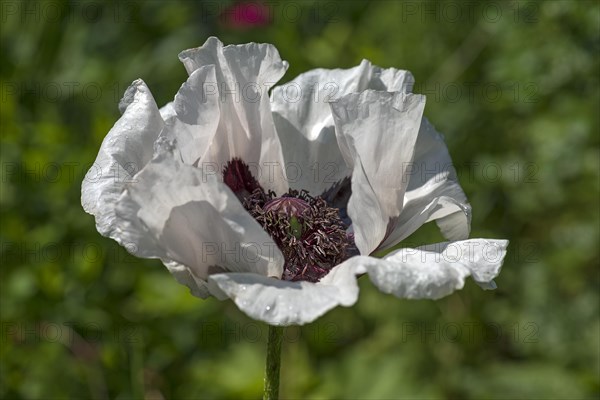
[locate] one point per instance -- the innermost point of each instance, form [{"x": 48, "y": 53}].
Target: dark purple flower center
[
  {"x": 238, "y": 177},
  {"x": 308, "y": 231}
]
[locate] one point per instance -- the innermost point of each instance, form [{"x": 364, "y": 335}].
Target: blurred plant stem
[{"x": 273, "y": 363}]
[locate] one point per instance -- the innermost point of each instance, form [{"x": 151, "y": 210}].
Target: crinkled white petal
[
  {"x": 412, "y": 217},
  {"x": 194, "y": 220},
  {"x": 126, "y": 149},
  {"x": 167, "y": 111},
  {"x": 305, "y": 124},
  {"x": 278, "y": 302},
  {"x": 437, "y": 198},
  {"x": 195, "y": 116},
  {"x": 432, "y": 271},
  {"x": 183, "y": 275},
  {"x": 432, "y": 176},
  {"x": 454, "y": 215},
  {"x": 376, "y": 133},
  {"x": 435, "y": 271},
  {"x": 244, "y": 74}
]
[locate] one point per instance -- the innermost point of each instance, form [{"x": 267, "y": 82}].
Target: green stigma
[{"x": 296, "y": 227}]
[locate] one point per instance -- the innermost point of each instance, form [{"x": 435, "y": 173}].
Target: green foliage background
[{"x": 514, "y": 87}]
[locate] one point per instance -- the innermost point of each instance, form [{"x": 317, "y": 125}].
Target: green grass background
[{"x": 512, "y": 84}]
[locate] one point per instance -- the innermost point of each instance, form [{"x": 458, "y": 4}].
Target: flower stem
[{"x": 273, "y": 363}]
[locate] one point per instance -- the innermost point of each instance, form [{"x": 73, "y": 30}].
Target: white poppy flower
[{"x": 278, "y": 203}]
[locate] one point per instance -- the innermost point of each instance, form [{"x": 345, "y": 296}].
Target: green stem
[{"x": 273, "y": 363}]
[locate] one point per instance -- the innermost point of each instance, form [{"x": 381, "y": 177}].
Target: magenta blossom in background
[{"x": 246, "y": 14}]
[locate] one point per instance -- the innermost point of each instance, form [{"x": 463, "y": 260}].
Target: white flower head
[{"x": 279, "y": 202}]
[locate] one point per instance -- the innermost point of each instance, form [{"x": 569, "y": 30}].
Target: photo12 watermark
[
  {"x": 469, "y": 332},
  {"x": 67, "y": 332},
  {"x": 451, "y": 11}
]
